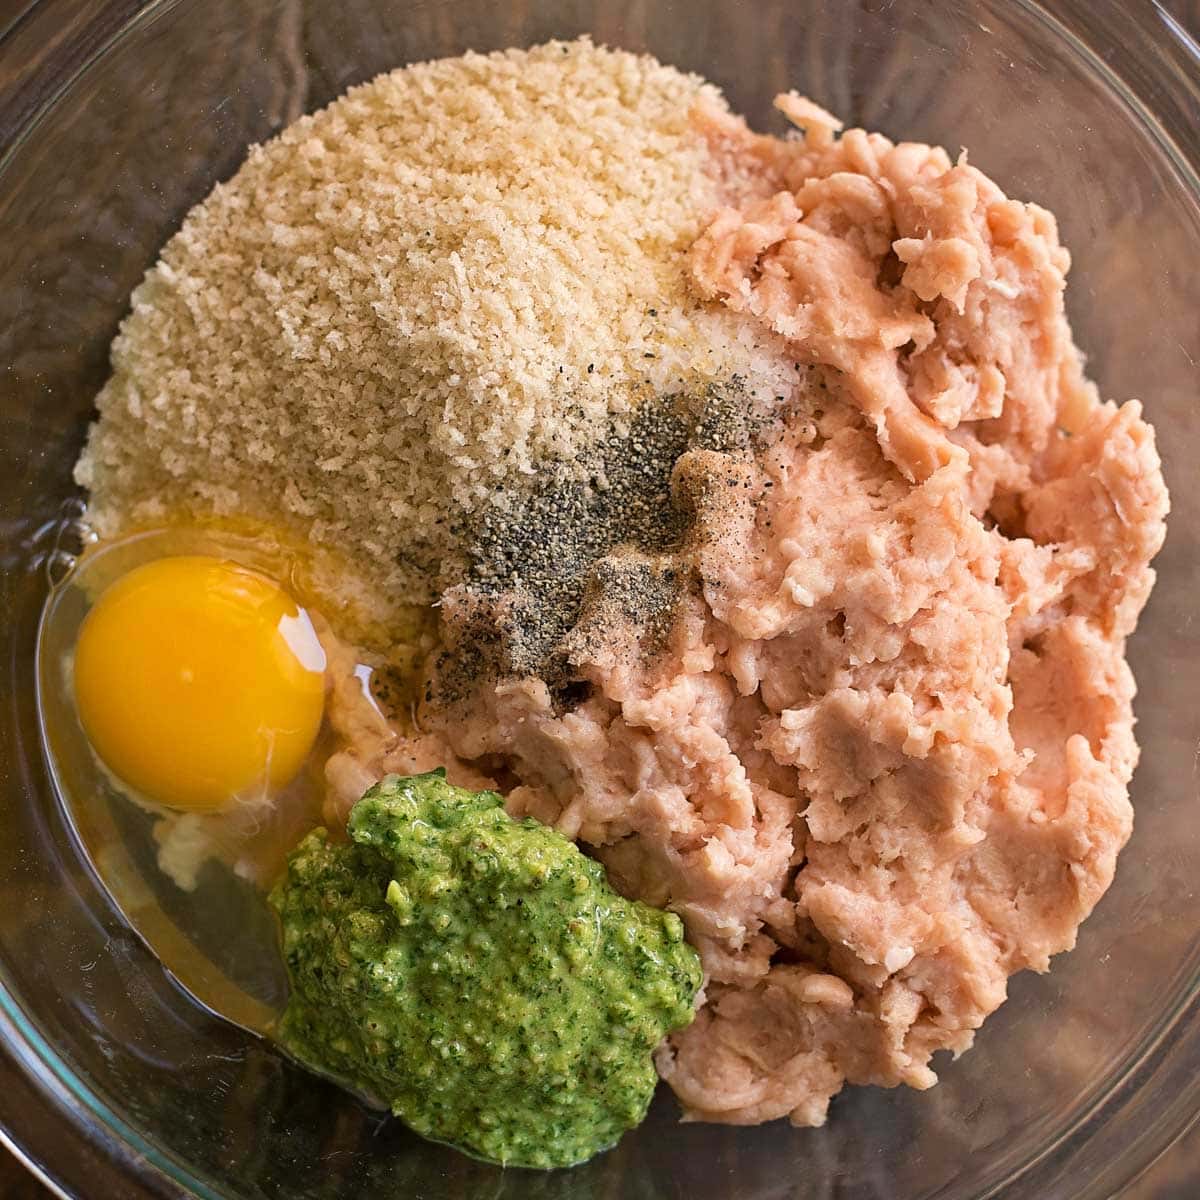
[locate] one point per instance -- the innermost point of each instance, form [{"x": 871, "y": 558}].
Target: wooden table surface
[
  {"x": 1173, "y": 1177},
  {"x": 16, "y": 1183}
]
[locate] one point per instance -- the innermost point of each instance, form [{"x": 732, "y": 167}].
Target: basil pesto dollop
[{"x": 478, "y": 975}]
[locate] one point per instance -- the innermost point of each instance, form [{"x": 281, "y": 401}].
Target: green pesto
[{"x": 478, "y": 975}]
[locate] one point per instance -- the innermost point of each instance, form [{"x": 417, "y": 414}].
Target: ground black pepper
[{"x": 604, "y": 548}]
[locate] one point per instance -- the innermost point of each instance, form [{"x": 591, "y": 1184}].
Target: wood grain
[{"x": 16, "y": 1183}]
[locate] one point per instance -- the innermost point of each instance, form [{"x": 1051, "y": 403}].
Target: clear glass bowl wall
[{"x": 118, "y": 116}]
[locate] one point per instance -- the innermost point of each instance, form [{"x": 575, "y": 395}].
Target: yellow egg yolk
[{"x": 199, "y": 682}]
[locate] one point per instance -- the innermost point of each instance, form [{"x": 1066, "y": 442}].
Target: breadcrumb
[{"x": 412, "y": 299}]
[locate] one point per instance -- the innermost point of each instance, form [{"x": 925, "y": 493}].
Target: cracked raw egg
[{"x": 199, "y": 682}]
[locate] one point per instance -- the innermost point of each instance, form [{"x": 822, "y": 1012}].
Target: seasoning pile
[{"x": 606, "y": 544}]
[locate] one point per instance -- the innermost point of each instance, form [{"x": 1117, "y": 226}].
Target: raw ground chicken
[
  {"x": 883, "y": 764},
  {"x": 881, "y": 761}
]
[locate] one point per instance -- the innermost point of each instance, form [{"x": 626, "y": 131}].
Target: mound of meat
[{"x": 882, "y": 763}]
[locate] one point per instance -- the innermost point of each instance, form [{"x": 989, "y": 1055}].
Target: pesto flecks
[{"x": 478, "y": 975}]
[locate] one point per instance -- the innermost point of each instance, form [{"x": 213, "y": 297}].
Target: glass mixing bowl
[{"x": 117, "y": 115}]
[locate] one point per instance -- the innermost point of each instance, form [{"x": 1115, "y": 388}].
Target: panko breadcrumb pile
[{"x": 411, "y": 299}]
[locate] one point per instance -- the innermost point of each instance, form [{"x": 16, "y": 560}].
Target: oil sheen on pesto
[{"x": 478, "y": 975}]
